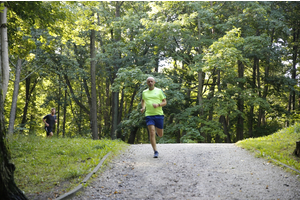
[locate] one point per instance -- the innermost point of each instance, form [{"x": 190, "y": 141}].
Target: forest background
[{"x": 228, "y": 69}]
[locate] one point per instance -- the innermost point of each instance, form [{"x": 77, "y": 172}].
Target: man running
[
  {"x": 49, "y": 121},
  {"x": 154, "y": 99}
]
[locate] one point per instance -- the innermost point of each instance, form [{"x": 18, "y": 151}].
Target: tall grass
[
  {"x": 42, "y": 163},
  {"x": 279, "y": 146}
]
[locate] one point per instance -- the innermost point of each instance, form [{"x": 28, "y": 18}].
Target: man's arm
[
  {"x": 44, "y": 120},
  {"x": 163, "y": 103}
]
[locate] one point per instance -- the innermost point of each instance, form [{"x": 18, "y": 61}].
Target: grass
[
  {"x": 44, "y": 163},
  {"x": 279, "y": 146}
]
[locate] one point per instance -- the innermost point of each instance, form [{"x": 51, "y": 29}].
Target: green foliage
[
  {"x": 192, "y": 136},
  {"x": 41, "y": 163},
  {"x": 173, "y": 41},
  {"x": 279, "y": 146},
  {"x": 225, "y": 53}
]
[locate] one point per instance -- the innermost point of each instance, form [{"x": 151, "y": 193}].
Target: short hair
[
  {"x": 150, "y": 77},
  {"x": 52, "y": 108}
]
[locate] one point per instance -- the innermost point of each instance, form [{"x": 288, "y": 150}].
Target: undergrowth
[
  {"x": 279, "y": 146},
  {"x": 43, "y": 163}
]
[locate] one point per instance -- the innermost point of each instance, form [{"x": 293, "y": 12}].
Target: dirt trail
[{"x": 192, "y": 171}]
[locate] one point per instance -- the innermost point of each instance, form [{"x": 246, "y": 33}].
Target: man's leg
[
  {"x": 151, "y": 129},
  {"x": 50, "y": 134},
  {"x": 160, "y": 132}
]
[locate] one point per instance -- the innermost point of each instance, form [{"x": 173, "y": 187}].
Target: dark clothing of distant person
[{"x": 51, "y": 121}]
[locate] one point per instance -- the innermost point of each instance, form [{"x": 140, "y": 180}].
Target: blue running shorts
[{"x": 156, "y": 120}]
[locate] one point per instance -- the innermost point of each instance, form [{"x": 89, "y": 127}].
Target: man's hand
[
  {"x": 47, "y": 124},
  {"x": 155, "y": 105},
  {"x": 142, "y": 110}
]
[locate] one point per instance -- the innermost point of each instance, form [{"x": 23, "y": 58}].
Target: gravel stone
[{"x": 192, "y": 171}]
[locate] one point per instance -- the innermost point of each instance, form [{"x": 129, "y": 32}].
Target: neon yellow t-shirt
[{"x": 150, "y": 97}]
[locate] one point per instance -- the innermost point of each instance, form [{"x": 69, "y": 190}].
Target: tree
[
  {"x": 15, "y": 97},
  {"x": 93, "y": 108},
  {"x": 8, "y": 188},
  {"x": 4, "y": 50}
]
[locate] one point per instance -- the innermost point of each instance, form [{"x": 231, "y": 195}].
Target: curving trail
[{"x": 192, "y": 171}]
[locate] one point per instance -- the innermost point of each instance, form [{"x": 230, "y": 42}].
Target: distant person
[
  {"x": 153, "y": 99},
  {"x": 49, "y": 121}
]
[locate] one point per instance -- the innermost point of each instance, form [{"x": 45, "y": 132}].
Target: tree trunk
[
  {"x": 222, "y": 118},
  {"x": 93, "y": 109},
  {"x": 200, "y": 73},
  {"x": 115, "y": 95},
  {"x": 4, "y": 52},
  {"x": 8, "y": 188},
  {"x": 259, "y": 93},
  {"x": 119, "y": 132},
  {"x": 132, "y": 135},
  {"x": 132, "y": 98},
  {"x": 240, "y": 104},
  {"x": 58, "y": 106},
  {"x": 200, "y": 89},
  {"x": 65, "y": 112},
  {"x": 74, "y": 97},
  {"x": 297, "y": 150},
  {"x": 115, "y": 102},
  {"x": 211, "y": 109},
  {"x": 27, "y": 99},
  {"x": 100, "y": 105},
  {"x": 121, "y": 107},
  {"x": 107, "y": 112},
  {"x": 15, "y": 97},
  {"x": 223, "y": 121},
  {"x": 292, "y": 101},
  {"x": 251, "y": 112}
]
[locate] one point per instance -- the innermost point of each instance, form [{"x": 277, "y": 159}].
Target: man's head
[
  {"x": 52, "y": 110},
  {"x": 150, "y": 83}
]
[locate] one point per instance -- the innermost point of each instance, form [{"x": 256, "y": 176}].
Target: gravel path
[{"x": 192, "y": 171}]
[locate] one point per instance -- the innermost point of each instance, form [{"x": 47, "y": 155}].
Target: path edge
[
  {"x": 73, "y": 192},
  {"x": 278, "y": 162}
]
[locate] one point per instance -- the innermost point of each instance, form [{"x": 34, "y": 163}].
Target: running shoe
[{"x": 155, "y": 154}]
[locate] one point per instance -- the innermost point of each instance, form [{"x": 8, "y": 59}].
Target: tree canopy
[{"x": 228, "y": 69}]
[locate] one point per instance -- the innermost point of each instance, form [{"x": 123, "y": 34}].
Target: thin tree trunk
[
  {"x": 100, "y": 106},
  {"x": 4, "y": 52},
  {"x": 27, "y": 99},
  {"x": 121, "y": 107},
  {"x": 240, "y": 104},
  {"x": 132, "y": 135},
  {"x": 58, "y": 106},
  {"x": 222, "y": 118},
  {"x": 132, "y": 98},
  {"x": 115, "y": 102},
  {"x": 93, "y": 109},
  {"x": 115, "y": 95},
  {"x": 119, "y": 132},
  {"x": 74, "y": 97},
  {"x": 15, "y": 97},
  {"x": 65, "y": 114},
  {"x": 107, "y": 111},
  {"x": 294, "y": 69},
  {"x": 259, "y": 94},
  {"x": 211, "y": 109},
  {"x": 251, "y": 112}
]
